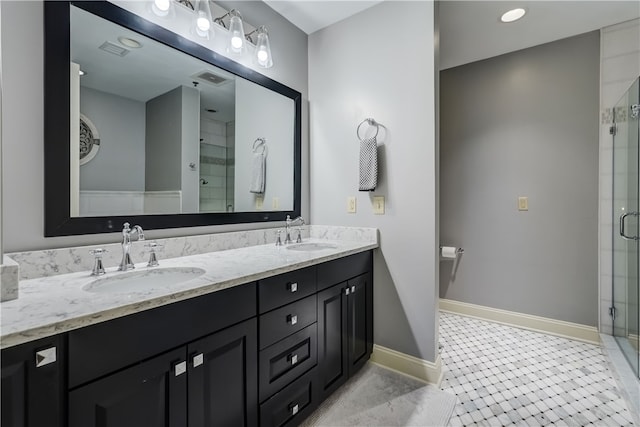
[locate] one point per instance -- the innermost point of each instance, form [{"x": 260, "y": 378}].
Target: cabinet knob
[
  {"x": 353, "y": 289},
  {"x": 198, "y": 360},
  {"x": 294, "y": 408},
  {"x": 346, "y": 291},
  {"x": 294, "y": 359},
  {"x": 180, "y": 368},
  {"x": 292, "y": 287},
  {"x": 292, "y": 319},
  {"x": 45, "y": 357}
]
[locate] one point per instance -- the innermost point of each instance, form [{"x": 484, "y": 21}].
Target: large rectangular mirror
[{"x": 160, "y": 130}]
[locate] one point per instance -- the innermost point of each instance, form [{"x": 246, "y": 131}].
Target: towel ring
[
  {"x": 370, "y": 122},
  {"x": 259, "y": 142}
]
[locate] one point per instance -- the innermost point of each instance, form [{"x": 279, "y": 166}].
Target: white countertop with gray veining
[{"x": 56, "y": 304}]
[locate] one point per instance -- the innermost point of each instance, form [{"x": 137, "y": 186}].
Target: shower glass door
[{"x": 626, "y": 216}]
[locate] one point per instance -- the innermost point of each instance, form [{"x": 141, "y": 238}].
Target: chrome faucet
[
  {"x": 126, "y": 245},
  {"x": 288, "y": 223}
]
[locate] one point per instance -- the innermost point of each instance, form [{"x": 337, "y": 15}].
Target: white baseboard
[
  {"x": 420, "y": 369},
  {"x": 574, "y": 331}
]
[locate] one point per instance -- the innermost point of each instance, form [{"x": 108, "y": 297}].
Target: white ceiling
[
  {"x": 471, "y": 30},
  {"x": 313, "y": 15}
]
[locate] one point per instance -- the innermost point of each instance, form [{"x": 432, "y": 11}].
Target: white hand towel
[
  {"x": 258, "y": 173},
  {"x": 368, "y": 164}
]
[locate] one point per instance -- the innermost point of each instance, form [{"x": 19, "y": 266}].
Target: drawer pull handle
[
  {"x": 353, "y": 289},
  {"x": 294, "y": 408},
  {"x": 293, "y": 319},
  {"x": 294, "y": 359},
  {"x": 198, "y": 360},
  {"x": 292, "y": 287},
  {"x": 45, "y": 357},
  {"x": 181, "y": 368}
]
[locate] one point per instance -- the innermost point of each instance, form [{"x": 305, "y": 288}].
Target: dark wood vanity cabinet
[
  {"x": 33, "y": 384},
  {"x": 263, "y": 353},
  {"x": 345, "y": 330}
]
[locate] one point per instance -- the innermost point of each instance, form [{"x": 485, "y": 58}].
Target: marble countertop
[{"x": 56, "y": 304}]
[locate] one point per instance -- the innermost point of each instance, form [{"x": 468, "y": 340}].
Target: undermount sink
[
  {"x": 311, "y": 246},
  {"x": 143, "y": 280}
]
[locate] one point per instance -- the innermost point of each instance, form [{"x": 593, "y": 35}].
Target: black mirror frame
[{"x": 58, "y": 221}]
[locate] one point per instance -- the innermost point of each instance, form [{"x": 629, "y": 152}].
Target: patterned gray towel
[{"x": 368, "y": 164}]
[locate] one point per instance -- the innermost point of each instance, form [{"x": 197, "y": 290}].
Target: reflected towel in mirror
[{"x": 259, "y": 167}]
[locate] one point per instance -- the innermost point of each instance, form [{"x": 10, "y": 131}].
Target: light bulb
[
  {"x": 161, "y": 7},
  {"x": 236, "y": 42},
  {"x": 262, "y": 57},
  {"x": 203, "y": 22}
]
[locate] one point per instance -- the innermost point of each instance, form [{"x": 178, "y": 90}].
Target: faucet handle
[
  {"x": 299, "y": 239},
  {"x": 153, "y": 258},
  {"x": 98, "y": 267},
  {"x": 278, "y": 240}
]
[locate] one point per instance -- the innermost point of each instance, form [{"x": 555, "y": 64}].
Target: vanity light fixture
[
  {"x": 262, "y": 55},
  {"x": 236, "y": 33},
  {"x": 512, "y": 15}
]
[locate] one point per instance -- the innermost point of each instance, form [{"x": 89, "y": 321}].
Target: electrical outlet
[
  {"x": 523, "y": 203},
  {"x": 259, "y": 203},
  {"x": 351, "y": 204},
  {"x": 378, "y": 205},
  {"x": 275, "y": 203}
]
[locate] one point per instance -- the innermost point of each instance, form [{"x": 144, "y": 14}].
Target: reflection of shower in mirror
[{"x": 203, "y": 181}]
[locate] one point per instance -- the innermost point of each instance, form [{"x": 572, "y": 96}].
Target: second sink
[{"x": 142, "y": 280}]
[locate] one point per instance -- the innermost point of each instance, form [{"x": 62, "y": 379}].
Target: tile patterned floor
[{"x": 508, "y": 376}]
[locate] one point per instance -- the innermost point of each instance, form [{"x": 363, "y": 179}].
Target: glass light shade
[
  {"x": 203, "y": 19},
  {"x": 161, "y": 7},
  {"x": 236, "y": 33},
  {"x": 262, "y": 56}
]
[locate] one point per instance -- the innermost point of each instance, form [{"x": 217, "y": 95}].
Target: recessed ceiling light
[
  {"x": 513, "y": 15},
  {"x": 129, "y": 42}
]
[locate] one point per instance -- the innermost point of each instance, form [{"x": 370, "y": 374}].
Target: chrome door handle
[
  {"x": 292, "y": 319},
  {"x": 622, "y": 233},
  {"x": 198, "y": 360},
  {"x": 292, "y": 287},
  {"x": 180, "y": 368},
  {"x": 346, "y": 291},
  {"x": 294, "y": 408},
  {"x": 45, "y": 357}
]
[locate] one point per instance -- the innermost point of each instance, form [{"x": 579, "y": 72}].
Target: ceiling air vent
[
  {"x": 114, "y": 48},
  {"x": 211, "y": 78}
]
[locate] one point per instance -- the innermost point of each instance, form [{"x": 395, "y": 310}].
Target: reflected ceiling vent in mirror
[
  {"x": 211, "y": 78},
  {"x": 114, "y": 48}
]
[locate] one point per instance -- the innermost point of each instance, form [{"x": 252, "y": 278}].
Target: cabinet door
[
  {"x": 150, "y": 394},
  {"x": 32, "y": 393},
  {"x": 332, "y": 339},
  {"x": 360, "y": 321},
  {"x": 223, "y": 378}
]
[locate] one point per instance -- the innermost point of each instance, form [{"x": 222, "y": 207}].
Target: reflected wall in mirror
[{"x": 177, "y": 125}]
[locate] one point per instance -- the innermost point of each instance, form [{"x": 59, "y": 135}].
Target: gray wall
[
  {"x": 523, "y": 124},
  {"x": 23, "y": 121},
  {"x": 356, "y": 70},
  {"x": 120, "y": 124},
  {"x": 164, "y": 141},
  {"x": 190, "y": 149}
]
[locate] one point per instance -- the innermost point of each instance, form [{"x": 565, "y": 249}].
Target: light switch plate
[
  {"x": 259, "y": 203},
  {"x": 523, "y": 203},
  {"x": 275, "y": 203},
  {"x": 351, "y": 204},
  {"x": 378, "y": 205}
]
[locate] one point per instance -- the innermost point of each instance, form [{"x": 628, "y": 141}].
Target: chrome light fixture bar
[{"x": 231, "y": 21}]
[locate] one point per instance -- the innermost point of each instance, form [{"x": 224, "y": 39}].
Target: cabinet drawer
[
  {"x": 286, "y": 360},
  {"x": 279, "y": 290},
  {"x": 291, "y": 405},
  {"x": 342, "y": 269},
  {"x": 106, "y": 347},
  {"x": 282, "y": 322}
]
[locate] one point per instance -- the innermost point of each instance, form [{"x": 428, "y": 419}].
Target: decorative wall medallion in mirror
[
  {"x": 89, "y": 140},
  {"x": 161, "y": 103}
]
